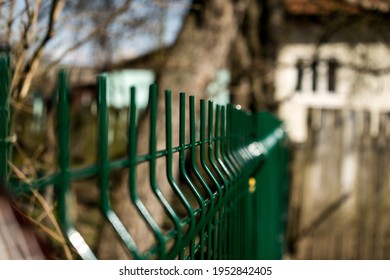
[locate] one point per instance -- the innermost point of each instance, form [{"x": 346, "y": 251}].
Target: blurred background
[{"x": 323, "y": 66}]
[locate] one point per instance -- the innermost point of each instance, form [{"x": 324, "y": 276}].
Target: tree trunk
[{"x": 253, "y": 59}]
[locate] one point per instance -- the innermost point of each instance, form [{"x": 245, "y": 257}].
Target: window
[
  {"x": 316, "y": 75},
  {"x": 332, "y": 67},
  {"x": 314, "y": 72},
  {"x": 299, "y": 67}
]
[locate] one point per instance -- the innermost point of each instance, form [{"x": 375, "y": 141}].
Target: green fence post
[
  {"x": 213, "y": 148},
  {"x": 197, "y": 173},
  {"x": 220, "y": 146},
  {"x": 103, "y": 159},
  {"x": 184, "y": 173},
  {"x": 170, "y": 176},
  {"x": 64, "y": 176},
  {"x": 4, "y": 116},
  {"x": 132, "y": 155},
  {"x": 63, "y": 131},
  {"x": 153, "y": 97},
  {"x": 269, "y": 185},
  {"x": 212, "y": 231}
]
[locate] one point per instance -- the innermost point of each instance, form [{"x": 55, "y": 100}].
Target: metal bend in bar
[
  {"x": 153, "y": 95},
  {"x": 169, "y": 171},
  {"x": 194, "y": 165},
  {"x": 235, "y": 154},
  {"x": 103, "y": 171},
  {"x": 203, "y": 148},
  {"x": 64, "y": 178},
  {"x": 132, "y": 150},
  {"x": 231, "y": 147},
  {"x": 217, "y": 147},
  {"x": 182, "y": 159},
  {"x": 184, "y": 174},
  {"x": 226, "y": 143},
  {"x": 212, "y": 143}
]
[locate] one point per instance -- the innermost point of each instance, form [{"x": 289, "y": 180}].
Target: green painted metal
[
  {"x": 237, "y": 177},
  {"x": 4, "y": 115},
  {"x": 63, "y": 184},
  {"x": 175, "y": 186},
  {"x": 104, "y": 169}
]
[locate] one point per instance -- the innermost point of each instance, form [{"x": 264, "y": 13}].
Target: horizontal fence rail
[{"x": 242, "y": 205}]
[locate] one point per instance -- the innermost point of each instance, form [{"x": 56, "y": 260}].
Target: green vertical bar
[
  {"x": 203, "y": 143},
  {"x": 226, "y": 153},
  {"x": 205, "y": 233},
  {"x": 227, "y": 150},
  {"x": 210, "y": 239},
  {"x": 132, "y": 154},
  {"x": 196, "y": 171},
  {"x": 169, "y": 171},
  {"x": 193, "y": 153},
  {"x": 153, "y": 149},
  {"x": 226, "y": 133},
  {"x": 103, "y": 143},
  {"x": 192, "y": 248},
  {"x": 103, "y": 149},
  {"x": 63, "y": 132},
  {"x": 183, "y": 171},
  {"x": 219, "y": 232},
  {"x": 181, "y": 255},
  {"x": 212, "y": 143},
  {"x": 4, "y": 117},
  {"x": 219, "y": 144},
  {"x": 225, "y": 223},
  {"x": 212, "y": 242},
  {"x": 152, "y": 174},
  {"x": 64, "y": 176},
  {"x": 132, "y": 149},
  {"x": 182, "y": 159},
  {"x": 202, "y": 239},
  {"x": 233, "y": 135},
  {"x": 153, "y": 134}
]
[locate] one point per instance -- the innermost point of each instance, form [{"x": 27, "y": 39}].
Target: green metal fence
[{"x": 242, "y": 211}]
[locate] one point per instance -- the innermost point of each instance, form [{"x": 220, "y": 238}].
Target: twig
[
  {"x": 32, "y": 66},
  {"x": 47, "y": 209},
  {"x": 122, "y": 9}
]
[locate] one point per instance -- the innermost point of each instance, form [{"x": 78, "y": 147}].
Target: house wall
[{"x": 362, "y": 74}]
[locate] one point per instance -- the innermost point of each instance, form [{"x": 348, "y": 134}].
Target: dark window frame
[
  {"x": 299, "y": 66},
  {"x": 332, "y": 75},
  {"x": 314, "y": 72}
]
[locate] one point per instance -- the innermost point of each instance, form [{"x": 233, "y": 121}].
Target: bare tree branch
[
  {"x": 31, "y": 67},
  {"x": 26, "y": 39},
  {"x": 28, "y": 56},
  {"x": 34, "y": 21},
  {"x": 10, "y": 22},
  {"x": 98, "y": 29}
]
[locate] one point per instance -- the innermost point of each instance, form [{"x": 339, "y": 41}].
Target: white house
[{"x": 334, "y": 54}]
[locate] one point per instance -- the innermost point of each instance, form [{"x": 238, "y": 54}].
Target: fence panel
[{"x": 240, "y": 177}]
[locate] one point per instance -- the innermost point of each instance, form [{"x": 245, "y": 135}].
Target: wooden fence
[{"x": 341, "y": 187}]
